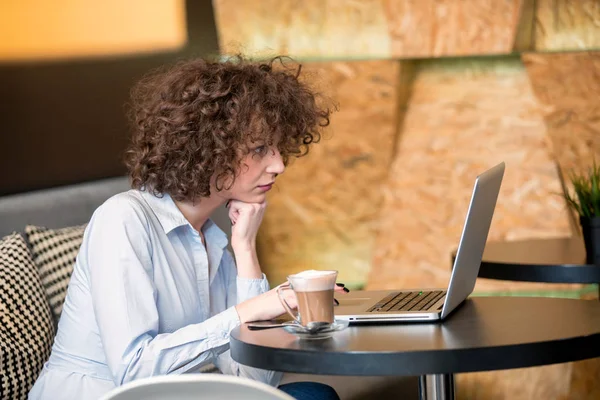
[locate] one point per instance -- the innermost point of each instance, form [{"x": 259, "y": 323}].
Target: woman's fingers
[
  {"x": 233, "y": 213},
  {"x": 247, "y": 218},
  {"x": 340, "y": 287}
]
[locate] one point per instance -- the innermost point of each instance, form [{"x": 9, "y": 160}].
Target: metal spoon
[
  {"x": 312, "y": 327},
  {"x": 258, "y": 327}
]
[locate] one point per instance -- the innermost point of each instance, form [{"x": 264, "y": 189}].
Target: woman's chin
[
  {"x": 259, "y": 199},
  {"x": 251, "y": 198}
]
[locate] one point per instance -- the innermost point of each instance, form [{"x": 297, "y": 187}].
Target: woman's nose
[{"x": 276, "y": 165}]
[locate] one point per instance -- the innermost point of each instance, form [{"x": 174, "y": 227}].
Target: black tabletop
[
  {"x": 485, "y": 333},
  {"x": 559, "y": 260}
]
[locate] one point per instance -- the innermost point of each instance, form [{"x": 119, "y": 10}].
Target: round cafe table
[
  {"x": 559, "y": 260},
  {"x": 483, "y": 334}
]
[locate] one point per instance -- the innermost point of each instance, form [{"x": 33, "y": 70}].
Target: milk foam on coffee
[{"x": 313, "y": 280}]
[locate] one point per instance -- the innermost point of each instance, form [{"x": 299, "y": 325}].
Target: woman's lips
[{"x": 266, "y": 188}]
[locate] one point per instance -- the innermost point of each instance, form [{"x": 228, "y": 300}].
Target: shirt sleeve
[
  {"x": 119, "y": 256},
  {"x": 239, "y": 290}
]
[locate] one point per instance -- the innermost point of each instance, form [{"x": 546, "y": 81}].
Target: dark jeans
[{"x": 309, "y": 391}]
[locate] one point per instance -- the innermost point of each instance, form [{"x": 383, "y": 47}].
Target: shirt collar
[
  {"x": 170, "y": 218},
  {"x": 214, "y": 235}
]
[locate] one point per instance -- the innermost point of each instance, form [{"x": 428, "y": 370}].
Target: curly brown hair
[{"x": 195, "y": 120}]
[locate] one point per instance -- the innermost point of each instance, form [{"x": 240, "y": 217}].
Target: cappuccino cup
[{"x": 314, "y": 294}]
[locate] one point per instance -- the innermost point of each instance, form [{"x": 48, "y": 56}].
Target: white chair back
[{"x": 196, "y": 387}]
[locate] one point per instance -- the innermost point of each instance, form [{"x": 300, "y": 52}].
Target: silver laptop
[{"x": 434, "y": 304}]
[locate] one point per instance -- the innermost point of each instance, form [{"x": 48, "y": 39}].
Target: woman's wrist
[
  {"x": 253, "y": 309},
  {"x": 243, "y": 245},
  {"x": 242, "y": 311}
]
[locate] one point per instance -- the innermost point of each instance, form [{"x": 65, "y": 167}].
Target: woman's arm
[
  {"x": 240, "y": 290},
  {"x": 246, "y": 218}
]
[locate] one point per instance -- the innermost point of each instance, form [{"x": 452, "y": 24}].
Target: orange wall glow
[{"x": 42, "y": 29}]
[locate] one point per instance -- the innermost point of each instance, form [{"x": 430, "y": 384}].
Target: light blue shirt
[{"x": 146, "y": 298}]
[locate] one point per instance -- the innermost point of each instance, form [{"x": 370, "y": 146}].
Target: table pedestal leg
[{"x": 436, "y": 387}]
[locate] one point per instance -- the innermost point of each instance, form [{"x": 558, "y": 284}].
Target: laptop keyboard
[{"x": 408, "y": 301}]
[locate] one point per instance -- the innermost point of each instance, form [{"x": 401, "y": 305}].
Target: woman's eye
[{"x": 260, "y": 150}]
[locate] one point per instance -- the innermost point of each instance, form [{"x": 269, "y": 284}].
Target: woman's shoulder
[{"x": 126, "y": 206}]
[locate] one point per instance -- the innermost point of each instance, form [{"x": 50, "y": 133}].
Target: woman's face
[{"x": 257, "y": 174}]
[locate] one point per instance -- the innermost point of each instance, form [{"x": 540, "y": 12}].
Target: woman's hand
[
  {"x": 267, "y": 306},
  {"x": 245, "y": 219}
]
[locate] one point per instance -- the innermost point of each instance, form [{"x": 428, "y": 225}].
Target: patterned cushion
[
  {"x": 54, "y": 252},
  {"x": 26, "y": 329}
]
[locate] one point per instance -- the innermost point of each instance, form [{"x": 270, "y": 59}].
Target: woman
[{"x": 154, "y": 289}]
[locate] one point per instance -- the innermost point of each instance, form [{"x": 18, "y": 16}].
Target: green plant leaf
[{"x": 586, "y": 197}]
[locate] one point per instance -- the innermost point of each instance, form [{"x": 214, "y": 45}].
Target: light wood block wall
[
  {"x": 567, "y": 86},
  {"x": 438, "y": 119},
  {"x": 441, "y": 123},
  {"x": 388, "y": 28},
  {"x": 344, "y": 29},
  {"x": 562, "y": 25},
  {"x": 463, "y": 116}
]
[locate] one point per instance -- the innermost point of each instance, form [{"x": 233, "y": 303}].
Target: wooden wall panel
[
  {"x": 367, "y": 28},
  {"x": 550, "y": 382},
  {"x": 305, "y": 29},
  {"x": 405, "y": 28},
  {"x": 436, "y": 28},
  {"x": 463, "y": 116},
  {"x": 323, "y": 211},
  {"x": 567, "y": 25},
  {"x": 568, "y": 85}
]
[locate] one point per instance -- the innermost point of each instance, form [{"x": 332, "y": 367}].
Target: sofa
[{"x": 40, "y": 235}]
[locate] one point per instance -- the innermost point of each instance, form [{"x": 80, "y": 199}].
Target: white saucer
[{"x": 303, "y": 333}]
